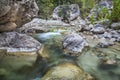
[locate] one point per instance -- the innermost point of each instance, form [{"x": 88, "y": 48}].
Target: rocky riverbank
[{"x": 65, "y": 47}]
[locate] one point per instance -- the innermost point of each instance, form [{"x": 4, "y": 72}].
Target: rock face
[
  {"x": 67, "y": 71},
  {"x": 16, "y": 13},
  {"x": 66, "y": 13},
  {"x": 74, "y": 44},
  {"x": 14, "y": 42}
]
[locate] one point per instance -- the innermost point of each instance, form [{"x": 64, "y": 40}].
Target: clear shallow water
[{"x": 12, "y": 68}]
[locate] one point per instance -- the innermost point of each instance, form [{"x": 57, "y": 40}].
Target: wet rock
[
  {"x": 18, "y": 44},
  {"x": 17, "y": 13},
  {"x": 105, "y": 43},
  {"x": 108, "y": 64},
  {"x": 98, "y": 29},
  {"x": 66, "y": 71},
  {"x": 115, "y": 25},
  {"x": 66, "y": 13},
  {"x": 74, "y": 44}
]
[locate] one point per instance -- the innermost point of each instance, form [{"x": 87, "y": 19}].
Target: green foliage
[
  {"x": 92, "y": 19},
  {"x": 104, "y": 13},
  {"x": 101, "y": 13},
  {"x": 46, "y": 6},
  {"x": 116, "y": 11},
  {"x": 86, "y": 6}
]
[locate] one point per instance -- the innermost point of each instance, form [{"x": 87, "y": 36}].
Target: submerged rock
[
  {"x": 18, "y": 44},
  {"x": 108, "y": 64},
  {"x": 74, "y": 44},
  {"x": 66, "y": 71}
]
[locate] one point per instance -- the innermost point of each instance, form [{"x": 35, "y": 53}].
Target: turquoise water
[{"x": 30, "y": 68}]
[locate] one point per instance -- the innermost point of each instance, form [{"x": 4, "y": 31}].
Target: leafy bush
[
  {"x": 104, "y": 13},
  {"x": 115, "y": 17},
  {"x": 46, "y": 6}
]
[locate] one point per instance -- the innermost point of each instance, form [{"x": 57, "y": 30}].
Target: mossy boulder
[{"x": 66, "y": 71}]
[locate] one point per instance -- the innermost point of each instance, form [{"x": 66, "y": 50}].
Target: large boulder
[
  {"x": 66, "y": 13},
  {"x": 18, "y": 44},
  {"x": 74, "y": 44},
  {"x": 16, "y": 13},
  {"x": 66, "y": 71},
  {"x": 39, "y": 25}
]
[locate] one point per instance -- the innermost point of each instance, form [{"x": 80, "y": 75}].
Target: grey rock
[
  {"x": 115, "y": 25},
  {"x": 107, "y": 35},
  {"x": 115, "y": 34},
  {"x": 104, "y": 43},
  {"x": 105, "y": 3},
  {"x": 118, "y": 39},
  {"x": 66, "y": 12},
  {"x": 17, "y": 12},
  {"x": 112, "y": 39},
  {"x": 39, "y": 25},
  {"x": 98, "y": 29},
  {"x": 118, "y": 31},
  {"x": 8, "y": 27},
  {"x": 74, "y": 44},
  {"x": 86, "y": 28},
  {"x": 13, "y": 41}
]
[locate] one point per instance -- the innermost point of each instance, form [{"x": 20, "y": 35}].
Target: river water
[{"x": 28, "y": 68}]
